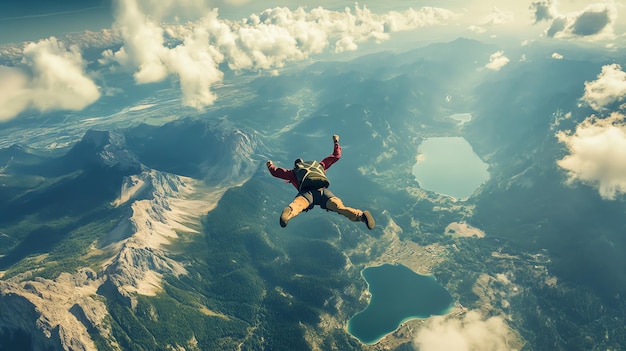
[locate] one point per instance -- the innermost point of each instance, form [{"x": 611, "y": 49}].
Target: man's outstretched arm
[
  {"x": 335, "y": 156},
  {"x": 277, "y": 172},
  {"x": 282, "y": 173}
]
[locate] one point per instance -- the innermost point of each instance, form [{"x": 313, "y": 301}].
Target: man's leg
[
  {"x": 336, "y": 205},
  {"x": 299, "y": 204}
]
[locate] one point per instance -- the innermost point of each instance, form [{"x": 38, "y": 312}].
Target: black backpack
[{"x": 311, "y": 175}]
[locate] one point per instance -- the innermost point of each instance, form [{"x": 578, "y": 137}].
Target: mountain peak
[
  {"x": 102, "y": 148},
  {"x": 96, "y": 138}
]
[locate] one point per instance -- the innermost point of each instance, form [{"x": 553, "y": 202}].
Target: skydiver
[{"x": 309, "y": 177}]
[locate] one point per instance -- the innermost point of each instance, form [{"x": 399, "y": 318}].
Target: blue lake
[
  {"x": 449, "y": 166},
  {"x": 397, "y": 294}
]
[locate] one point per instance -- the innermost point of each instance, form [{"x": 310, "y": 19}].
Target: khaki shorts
[{"x": 316, "y": 197}]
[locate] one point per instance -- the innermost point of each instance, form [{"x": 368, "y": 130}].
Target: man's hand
[
  {"x": 269, "y": 163},
  {"x": 335, "y": 138}
]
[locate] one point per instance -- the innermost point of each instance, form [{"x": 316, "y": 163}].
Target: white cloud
[
  {"x": 476, "y": 29},
  {"x": 597, "y": 154},
  {"x": 557, "y": 56},
  {"x": 148, "y": 51},
  {"x": 596, "y": 21},
  {"x": 610, "y": 87},
  {"x": 196, "y": 64},
  {"x": 497, "y": 60},
  {"x": 49, "y": 78},
  {"x": 14, "y": 97},
  {"x": 411, "y": 19},
  {"x": 279, "y": 35},
  {"x": 143, "y": 43},
  {"x": 263, "y": 41},
  {"x": 470, "y": 332}
]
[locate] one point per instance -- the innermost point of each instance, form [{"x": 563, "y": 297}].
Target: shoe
[
  {"x": 284, "y": 217},
  {"x": 368, "y": 219}
]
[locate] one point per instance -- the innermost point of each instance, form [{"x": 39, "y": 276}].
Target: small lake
[
  {"x": 397, "y": 294},
  {"x": 449, "y": 166}
]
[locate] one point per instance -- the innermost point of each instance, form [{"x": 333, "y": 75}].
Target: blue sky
[{"x": 31, "y": 20}]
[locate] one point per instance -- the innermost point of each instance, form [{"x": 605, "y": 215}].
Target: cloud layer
[
  {"x": 264, "y": 41},
  {"x": 467, "y": 333},
  {"x": 51, "y": 77}
]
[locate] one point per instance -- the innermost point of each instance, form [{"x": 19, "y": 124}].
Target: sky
[{"x": 43, "y": 66}]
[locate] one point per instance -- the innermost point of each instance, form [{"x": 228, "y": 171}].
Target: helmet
[{"x": 297, "y": 160}]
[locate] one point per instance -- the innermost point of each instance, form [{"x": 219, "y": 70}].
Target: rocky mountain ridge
[{"x": 63, "y": 313}]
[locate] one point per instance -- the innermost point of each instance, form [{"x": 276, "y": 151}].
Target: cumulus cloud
[
  {"x": 143, "y": 43},
  {"x": 196, "y": 64},
  {"x": 50, "y": 77},
  {"x": 543, "y": 10},
  {"x": 278, "y": 35},
  {"x": 470, "y": 332},
  {"x": 596, "y": 21},
  {"x": 557, "y": 56},
  {"x": 610, "y": 87},
  {"x": 497, "y": 60},
  {"x": 597, "y": 154},
  {"x": 263, "y": 41}
]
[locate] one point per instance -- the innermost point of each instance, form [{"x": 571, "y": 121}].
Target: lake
[
  {"x": 397, "y": 294},
  {"x": 449, "y": 166}
]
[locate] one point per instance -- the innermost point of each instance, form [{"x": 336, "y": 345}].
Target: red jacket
[{"x": 290, "y": 176}]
